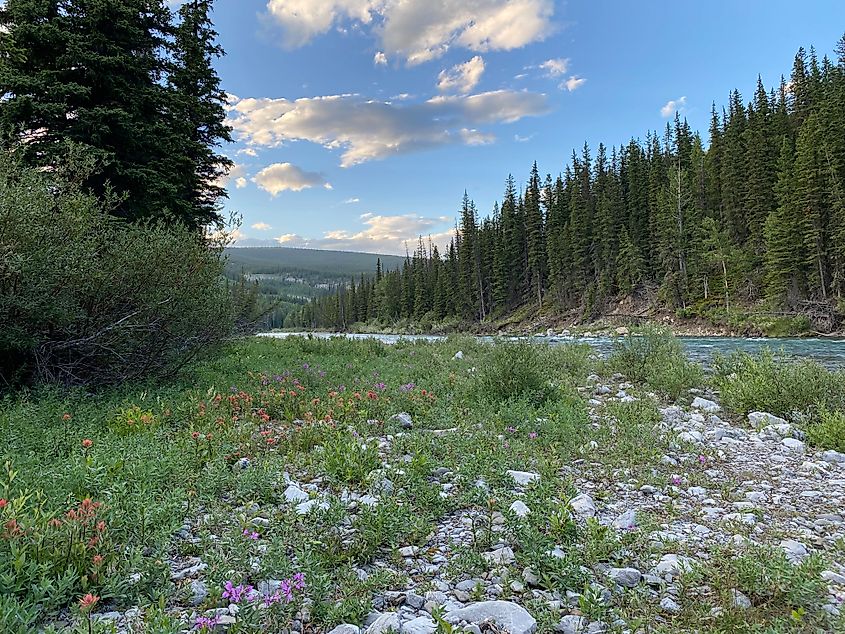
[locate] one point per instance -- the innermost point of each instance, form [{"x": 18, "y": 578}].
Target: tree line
[{"x": 755, "y": 217}]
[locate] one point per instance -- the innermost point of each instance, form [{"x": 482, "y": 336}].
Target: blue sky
[{"x": 360, "y": 123}]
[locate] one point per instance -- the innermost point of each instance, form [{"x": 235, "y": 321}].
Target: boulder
[{"x": 506, "y": 615}]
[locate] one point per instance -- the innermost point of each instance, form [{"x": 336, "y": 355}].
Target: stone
[
  {"x": 403, "y": 419},
  {"x": 414, "y": 600},
  {"x": 762, "y": 419},
  {"x": 833, "y": 577},
  {"x": 793, "y": 445},
  {"x": 572, "y": 624},
  {"x": 740, "y": 600},
  {"x": 669, "y": 605},
  {"x": 294, "y": 494},
  {"x": 306, "y": 507},
  {"x": 672, "y": 564},
  {"x": 711, "y": 407},
  {"x": 524, "y": 478},
  {"x": 241, "y": 465},
  {"x": 459, "y": 355},
  {"x": 795, "y": 551},
  {"x": 199, "y": 593},
  {"x": 508, "y": 616},
  {"x": 622, "y": 331},
  {"x": 530, "y": 577},
  {"x": 421, "y": 625},
  {"x": 502, "y": 556},
  {"x": 384, "y": 623},
  {"x": 409, "y": 551},
  {"x": 625, "y": 577},
  {"x": 346, "y": 628},
  {"x": 519, "y": 508},
  {"x": 834, "y": 457},
  {"x": 583, "y": 505},
  {"x": 626, "y": 521}
]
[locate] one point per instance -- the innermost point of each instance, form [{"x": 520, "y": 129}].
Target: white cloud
[
  {"x": 379, "y": 234},
  {"x": 261, "y": 226},
  {"x": 461, "y": 78},
  {"x": 240, "y": 182},
  {"x": 420, "y": 30},
  {"x": 672, "y": 106},
  {"x": 573, "y": 83},
  {"x": 366, "y": 129},
  {"x": 351, "y": 201},
  {"x": 235, "y": 175},
  {"x": 380, "y": 59},
  {"x": 280, "y": 177},
  {"x": 248, "y": 151},
  {"x": 523, "y": 139},
  {"x": 555, "y": 67}
]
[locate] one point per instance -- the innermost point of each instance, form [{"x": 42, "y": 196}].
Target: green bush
[
  {"x": 513, "y": 371},
  {"x": 779, "y": 386},
  {"x": 829, "y": 431},
  {"x": 655, "y": 357},
  {"x": 87, "y": 298}
]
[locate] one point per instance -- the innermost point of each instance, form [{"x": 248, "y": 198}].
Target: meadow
[{"x": 272, "y": 487}]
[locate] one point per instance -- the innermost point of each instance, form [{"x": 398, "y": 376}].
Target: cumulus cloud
[
  {"x": 236, "y": 174},
  {"x": 380, "y": 59},
  {"x": 367, "y": 129},
  {"x": 672, "y": 106},
  {"x": 420, "y": 30},
  {"x": 280, "y": 177},
  {"x": 573, "y": 83},
  {"x": 555, "y": 67},
  {"x": 261, "y": 226},
  {"x": 461, "y": 78},
  {"x": 378, "y": 234}
]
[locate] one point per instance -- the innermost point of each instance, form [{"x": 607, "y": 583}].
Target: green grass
[{"x": 156, "y": 457}]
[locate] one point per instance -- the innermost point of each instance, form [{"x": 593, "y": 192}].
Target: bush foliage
[{"x": 87, "y": 298}]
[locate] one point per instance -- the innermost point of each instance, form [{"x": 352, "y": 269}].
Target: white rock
[
  {"x": 346, "y": 628},
  {"x": 626, "y": 520},
  {"x": 502, "y": 556},
  {"x": 509, "y": 616},
  {"x": 672, "y": 564},
  {"x": 310, "y": 505},
  {"x": 524, "y": 478},
  {"x": 670, "y": 605},
  {"x": 572, "y": 624},
  {"x": 711, "y": 407},
  {"x": 519, "y": 508},
  {"x": 385, "y": 622},
  {"x": 793, "y": 445},
  {"x": 761, "y": 419},
  {"x": 421, "y": 625},
  {"x": 583, "y": 505},
  {"x": 795, "y": 551},
  {"x": 833, "y": 577},
  {"x": 294, "y": 494},
  {"x": 458, "y": 355},
  {"x": 740, "y": 600},
  {"x": 833, "y": 457}
]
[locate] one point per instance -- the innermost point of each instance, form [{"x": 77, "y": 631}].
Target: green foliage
[
  {"x": 828, "y": 431},
  {"x": 654, "y": 357},
  {"x": 513, "y": 371},
  {"x": 783, "y": 387},
  {"x": 349, "y": 458},
  {"x": 85, "y": 298}
]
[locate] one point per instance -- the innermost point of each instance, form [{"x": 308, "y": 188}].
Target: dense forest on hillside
[{"x": 756, "y": 216}]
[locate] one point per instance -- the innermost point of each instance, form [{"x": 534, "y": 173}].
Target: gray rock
[
  {"x": 668, "y": 604},
  {"x": 241, "y": 465},
  {"x": 346, "y": 628},
  {"x": 740, "y": 600},
  {"x": 833, "y": 457},
  {"x": 626, "y": 520},
  {"x": 199, "y": 593},
  {"x": 306, "y": 507},
  {"x": 294, "y": 494},
  {"x": 519, "y": 508},
  {"x": 795, "y": 551},
  {"x": 672, "y": 564},
  {"x": 414, "y": 600},
  {"x": 509, "y": 616},
  {"x": 385, "y": 622},
  {"x": 572, "y": 624},
  {"x": 583, "y": 505},
  {"x": 530, "y": 577},
  {"x": 524, "y": 478},
  {"x": 459, "y": 355},
  {"x": 502, "y": 556},
  {"x": 421, "y": 625},
  {"x": 403, "y": 419},
  {"x": 833, "y": 577},
  {"x": 711, "y": 407},
  {"x": 793, "y": 444},
  {"x": 625, "y": 577},
  {"x": 762, "y": 419}
]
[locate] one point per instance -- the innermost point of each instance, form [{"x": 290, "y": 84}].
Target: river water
[{"x": 828, "y": 352}]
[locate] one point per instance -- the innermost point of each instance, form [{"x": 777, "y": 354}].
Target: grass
[{"x": 100, "y": 486}]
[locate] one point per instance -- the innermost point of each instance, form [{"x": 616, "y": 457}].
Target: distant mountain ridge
[{"x": 280, "y": 260}]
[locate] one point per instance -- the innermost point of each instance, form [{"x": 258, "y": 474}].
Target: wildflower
[
  {"x": 97, "y": 560},
  {"x": 272, "y": 599},
  {"x": 251, "y": 534},
  {"x": 299, "y": 581},
  {"x": 87, "y": 603},
  {"x": 3, "y": 503},
  {"x": 702, "y": 459},
  {"x": 381, "y": 387},
  {"x": 511, "y": 430},
  {"x": 305, "y": 366},
  {"x": 286, "y": 588},
  {"x": 676, "y": 480},
  {"x": 372, "y": 395},
  {"x": 87, "y": 443},
  {"x": 195, "y": 435},
  {"x": 66, "y": 417},
  {"x": 408, "y": 387},
  {"x": 206, "y": 622},
  {"x": 236, "y": 592},
  {"x": 532, "y": 435}
]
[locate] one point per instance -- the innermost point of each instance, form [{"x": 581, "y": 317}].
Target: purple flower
[
  {"x": 272, "y": 599},
  {"x": 207, "y": 623},
  {"x": 305, "y": 366},
  {"x": 676, "y": 480},
  {"x": 702, "y": 459},
  {"x": 381, "y": 387},
  {"x": 321, "y": 374},
  {"x": 236, "y": 593},
  {"x": 511, "y": 430},
  {"x": 287, "y": 590},
  {"x": 299, "y": 581},
  {"x": 251, "y": 534},
  {"x": 407, "y": 387},
  {"x": 532, "y": 435}
]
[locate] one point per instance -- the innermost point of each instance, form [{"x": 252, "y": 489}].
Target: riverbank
[{"x": 310, "y": 484}]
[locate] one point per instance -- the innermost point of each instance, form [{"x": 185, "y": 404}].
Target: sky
[{"x": 359, "y": 124}]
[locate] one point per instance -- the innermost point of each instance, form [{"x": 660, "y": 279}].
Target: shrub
[
  {"x": 829, "y": 431},
  {"x": 88, "y": 298},
  {"x": 655, "y": 357},
  {"x": 513, "y": 371},
  {"x": 780, "y": 386}
]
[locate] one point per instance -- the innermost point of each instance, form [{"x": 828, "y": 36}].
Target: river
[{"x": 828, "y": 352}]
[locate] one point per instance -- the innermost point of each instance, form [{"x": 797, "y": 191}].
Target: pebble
[{"x": 524, "y": 478}]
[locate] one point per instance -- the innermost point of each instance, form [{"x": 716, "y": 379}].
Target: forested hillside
[{"x": 754, "y": 216}]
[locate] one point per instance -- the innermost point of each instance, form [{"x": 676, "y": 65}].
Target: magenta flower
[
  {"x": 532, "y": 435},
  {"x": 207, "y": 623},
  {"x": 299, "y": 581},
  {"x": 676, "y": 480},
  {"x": 702, "y": 459},
  {"x": 251, "y": 534},
  {"x": 236, "y": 593}
]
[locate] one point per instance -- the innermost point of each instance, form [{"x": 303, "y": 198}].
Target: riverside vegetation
[{"x": 305, "y": 484}]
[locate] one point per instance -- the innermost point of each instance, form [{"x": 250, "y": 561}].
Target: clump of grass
[
  {"x": 787, "y": 388},
  {"x": 829, "y": 431},
  {"x": 513, "y": 371},
  {"x": 653, "y": 356}
]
